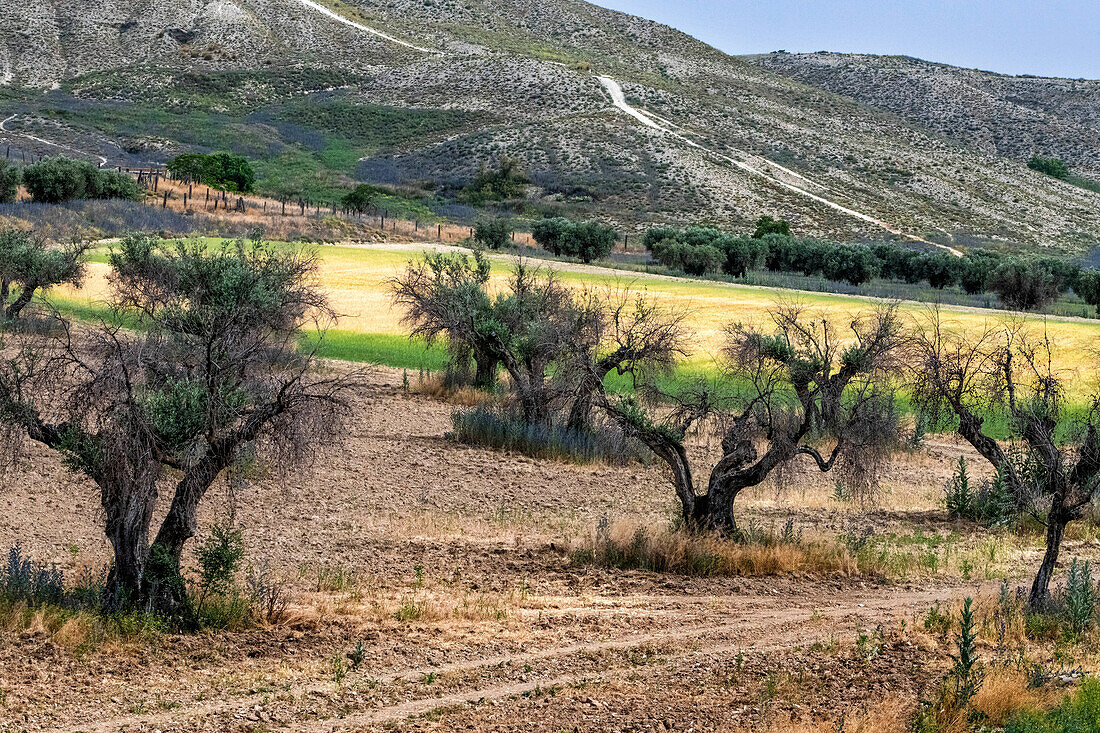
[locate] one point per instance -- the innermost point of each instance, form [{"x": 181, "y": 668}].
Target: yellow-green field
[{"x": 370, "y": 330}]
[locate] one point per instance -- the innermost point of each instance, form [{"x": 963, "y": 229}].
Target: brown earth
[{"x": 450, "y": 566}]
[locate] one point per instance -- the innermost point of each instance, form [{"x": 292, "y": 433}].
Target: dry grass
[
  {"x": 1005, "y": 692},
  {"x": 435, "y": 387},
  {"x": 629, "y": 545}
]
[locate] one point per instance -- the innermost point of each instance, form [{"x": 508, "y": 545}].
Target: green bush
[
  {"x": 767, "y": 225},
  {"x": 1077, "y": 713},
  {"x": 362, "y": 197},
  {"x": 586, "y": 241},
  {"x": 506, "y": 181},
  {"x": 1025, "y": 284},
  {"x": 10, "y": 177},
  {"x": 60, "y": 179},
  {"x": 493, "y": 233},
  {"x": 1050, "y": 166}
]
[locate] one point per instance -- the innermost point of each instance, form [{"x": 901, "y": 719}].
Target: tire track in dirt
[{"x": 752, "y": 628}]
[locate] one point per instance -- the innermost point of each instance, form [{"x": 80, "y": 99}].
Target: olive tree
[
  {"x": 803, "y": 387},
  {"x": 32, "y": 264},
  {"x": 622, "y": 332},
  {"x": 963, "y": 376},
  {"x": 214, "y": 375}
]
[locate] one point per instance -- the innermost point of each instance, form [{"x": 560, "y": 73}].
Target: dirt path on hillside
[{"x": 614, "y": 89}]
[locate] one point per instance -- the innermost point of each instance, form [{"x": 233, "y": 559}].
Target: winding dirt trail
[
  {"x": 359, "y": 26},
  {"x": 4, "y": 129}
]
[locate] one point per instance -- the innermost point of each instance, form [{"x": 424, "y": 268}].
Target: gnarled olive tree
[
  {"x": 964, "y": 375},
  {"x": 804, "y": 387},
  {"x": 214, "y": 374}
]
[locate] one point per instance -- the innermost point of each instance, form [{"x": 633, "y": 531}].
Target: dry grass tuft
[
  {"x": 1004, "y": 693},
  {"x": 628, "y": 545},
  {"x": 435, "y": 387}
]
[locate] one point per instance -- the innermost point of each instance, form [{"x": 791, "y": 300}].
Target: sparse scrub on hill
[
  {"x": 213, "y": 376},
  {"x": 60, "y": 179},
  {"x": 1054, "y": 167}
]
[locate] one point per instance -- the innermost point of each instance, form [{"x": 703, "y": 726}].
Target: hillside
[
  {"x": 1013, "y": 116},
  {"x": 321, "y": 103}
]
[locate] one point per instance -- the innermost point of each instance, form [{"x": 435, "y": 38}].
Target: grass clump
[
  {"x": 1077, "y": 713},
  {"x": 758, "y": 552},
  {"x": 502, "y": 429}
]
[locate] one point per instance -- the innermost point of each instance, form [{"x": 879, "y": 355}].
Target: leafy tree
[
  {"x": 855, "y": 265},
  {"x": 220, "y": 170},
  {"x": 1088, "y": 287},
  {"x": 767, "y": 225},
  {"x": 362, "y": 198},
  {"x": 976, "y": 269},
  {"x": 33, "y": 265},
  {"x": 1050, "y": 166},
  {"x": 1024, "y": 283},
  {"x": 493, "y": 233},
  {"x": 445, "y": 296},
  {"x": 214, "y": 375},
  {"x": 10, "y": 178},
  {"x": 782, "y": 394},
  {"x": 744, "y": 254},
  {"x": 941, "y": 270},
  {"x": 586, "y": 241}
]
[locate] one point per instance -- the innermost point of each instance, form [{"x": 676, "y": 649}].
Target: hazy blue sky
[{"x": 1051, "y": 38}]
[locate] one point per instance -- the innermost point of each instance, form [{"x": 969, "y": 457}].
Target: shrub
[
  {"x": 1024, "y": 284},
  {"x": 1077, "y": 713},
  {"x": 504, "y": 429},
  {"x": 957, "y": 497},
  {"x": 506, "y": 181},
  {"x": 362, "y": 197},
  {"x": 1079, "y": 597},
  {"x": 1050, "y": 166},
  {"x": 493, "y": 233},
  {"x": 57, "y": 180},
  {"x": 10, "y": 177}
]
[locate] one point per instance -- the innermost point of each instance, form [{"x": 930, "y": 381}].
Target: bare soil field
[{"x": 433, "y": 589}]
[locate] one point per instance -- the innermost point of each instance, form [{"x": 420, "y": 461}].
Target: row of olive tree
[{"x": 803, "y": 385}]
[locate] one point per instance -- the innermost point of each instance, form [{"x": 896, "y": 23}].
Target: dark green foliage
[
  {"x": 702, "y": 250},
  {"x": 964, "y": 671},
  {"x": 941, "y": 270},
  {"x": 219, "y": 557},
  {"x": 586, "y": 241},
  {"x": 493, "y": 233},
  {"x": 29, "y": 265},
  {"x": 1088, "y": 287},
  {"x": 219, "y": 170},
  {"x": 10, "y": 178},
  {"x": 977, "y": 268},
  {"x": 1051, "y": 166},
  {"x": 1079, "y": 599},
  {"x": 362, "y": 198},
  {"x": 1077, "y": 713},
  {"x": 957, "y": 495},
  {"x": 57, "y": 180},
  {"x": 767, "y": 225},
  {"x": 506, "y": 181},
  {"x": 33, "y": 583},
  {"x": 1025, "y": 283}
]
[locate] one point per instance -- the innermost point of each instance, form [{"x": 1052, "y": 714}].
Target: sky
[{"x": 1051, "y": 38}]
